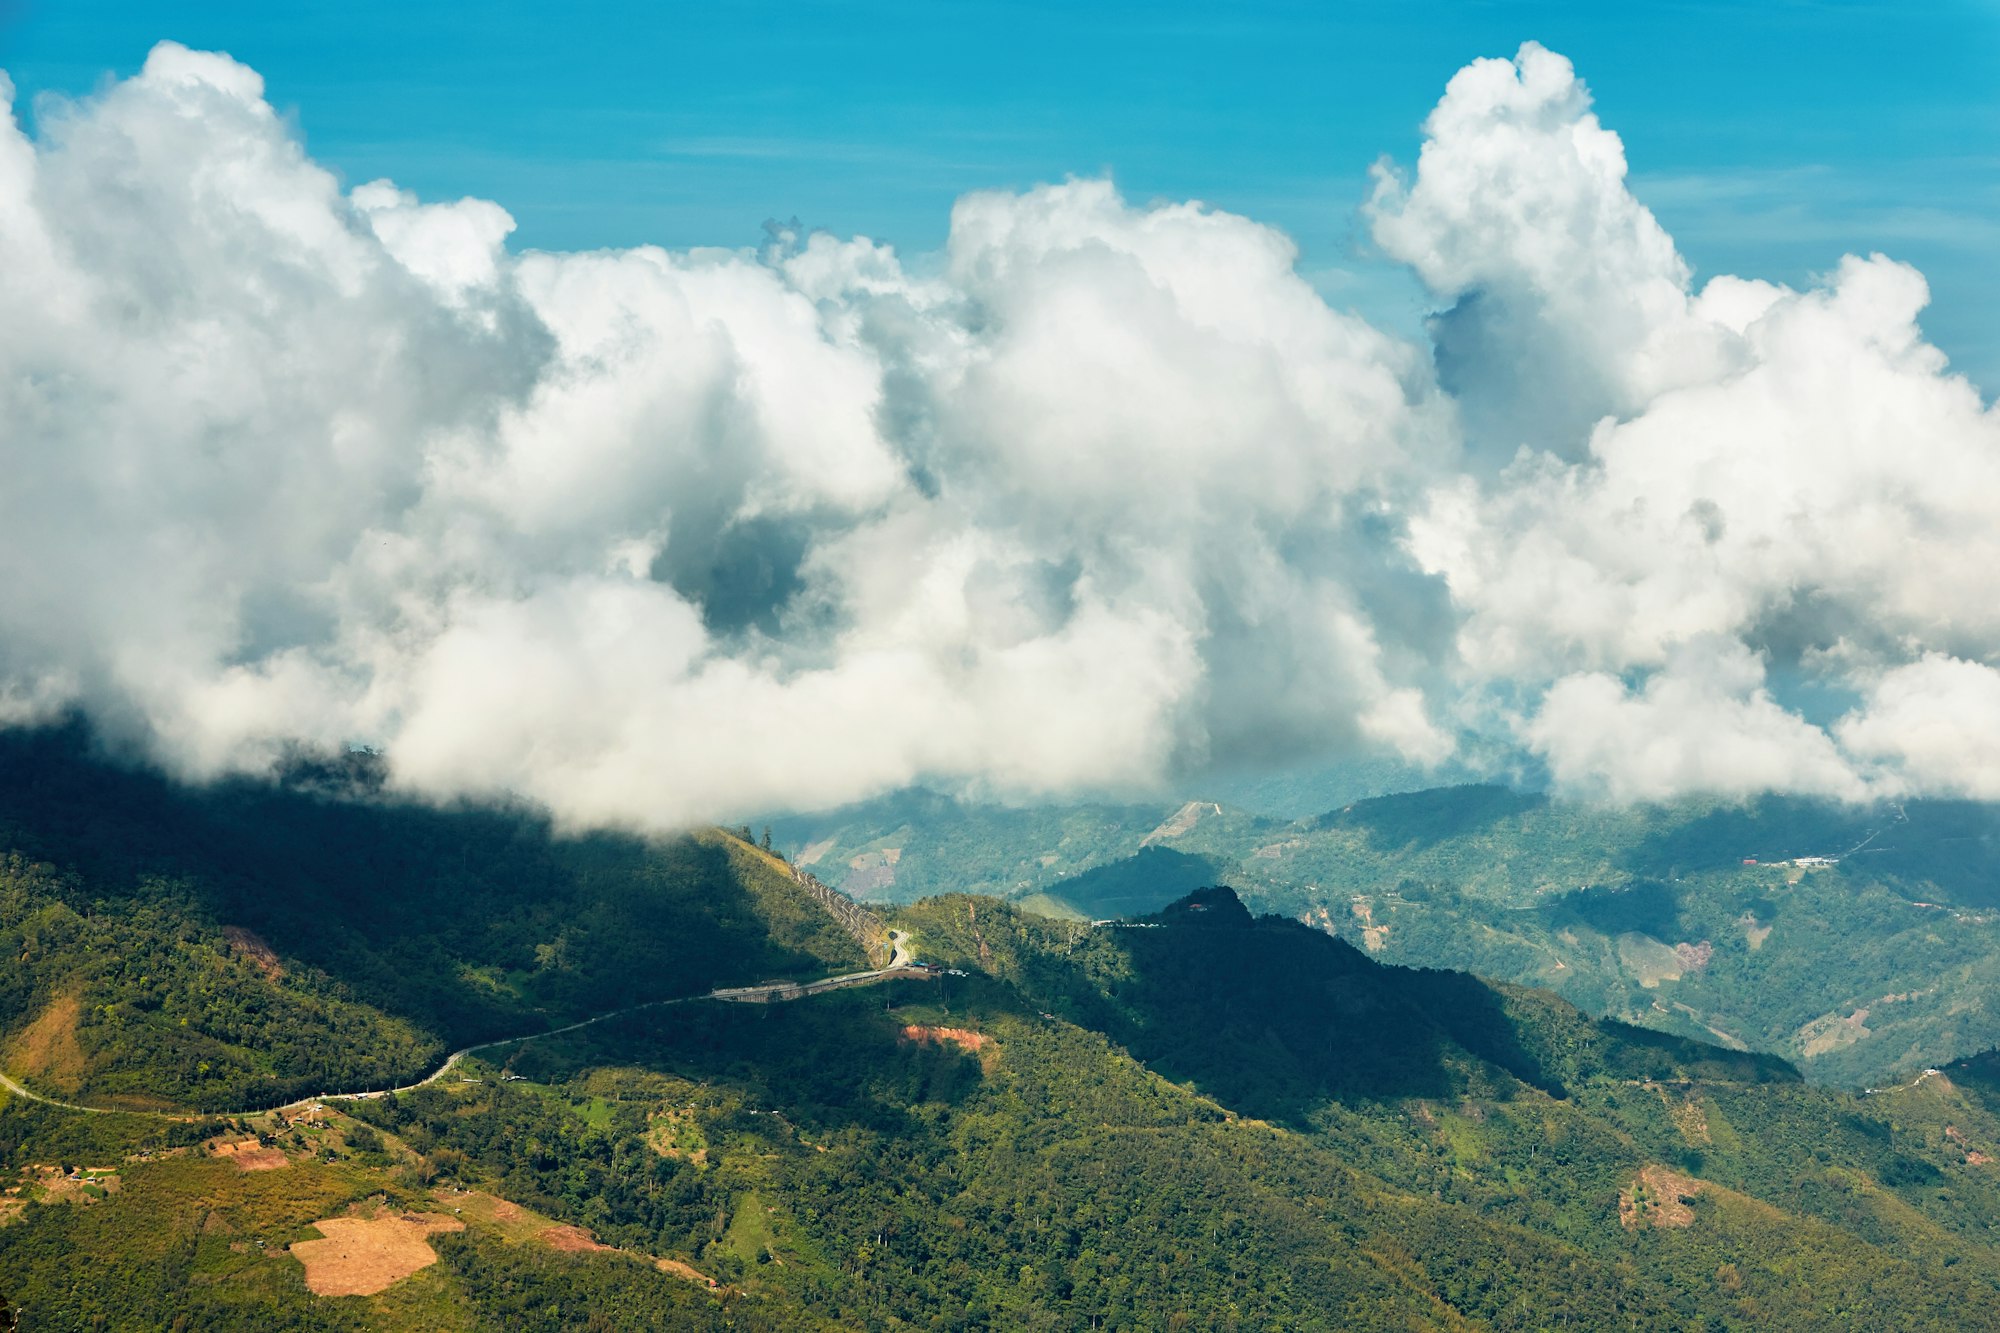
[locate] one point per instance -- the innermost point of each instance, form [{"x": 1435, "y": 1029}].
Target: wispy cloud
[{"x": 1948, "y": 200}]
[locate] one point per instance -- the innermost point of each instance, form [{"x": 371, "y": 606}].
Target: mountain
[
  {"x": 1197, "y": 1118},
  {"x": 240, "y": 945},
  {"x": 1695, "y": 917}
]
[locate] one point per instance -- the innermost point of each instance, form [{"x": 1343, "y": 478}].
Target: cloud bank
[{"x": 1098, "y": 496}]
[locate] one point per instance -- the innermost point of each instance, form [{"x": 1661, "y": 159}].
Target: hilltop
[{"x": 1696, "y": 917}]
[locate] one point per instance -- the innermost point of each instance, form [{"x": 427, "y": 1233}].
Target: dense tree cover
[
  {"x": 243, "y": 944},
  {"x": 1062, "y": 1187},
  {"x": 1203, "y": 1120},
  {"x": 1323, "y": 1019},
  {"x": 1151, "y": 1139},
  {"x": 1209, "y": 1121},
  {"x": 32, "y": 1132},
  {"x": 166, "y": 1013}
]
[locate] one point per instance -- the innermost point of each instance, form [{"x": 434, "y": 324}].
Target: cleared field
[
  {"x": 359, "y": 1256},
  {"x": 688, "y": 1271},
  {"x": 574, "y": 1240},
  {"x": 250, "y": 1155},
  {"x": 1657, "y": 1198},
  {"x": 47, "y": 1049},
  {"x": 922, "y": 1035}
]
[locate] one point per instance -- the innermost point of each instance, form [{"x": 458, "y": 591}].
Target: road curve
[
  {"x": 31, "y": 1095},
  {"x": 767, "y": 993}
]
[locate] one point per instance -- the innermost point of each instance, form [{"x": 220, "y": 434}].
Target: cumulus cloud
[
  {"x": 1568, "y": 300},
  {"x": 1784, "y": 482},
  {"x": 1929, "y": 723},
  {"x": 1703, "y": 723},
  {"x": 1102, "y": 494},
  {"x": 654, "y": 536}
]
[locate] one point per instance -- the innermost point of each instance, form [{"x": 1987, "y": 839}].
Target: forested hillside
[
  {"x": 1205, "y": 1120},
  {"x": 1690, "y": 918},
  {"x": 1196, "y": 1118},
  {"x": 244, "y": 944}
]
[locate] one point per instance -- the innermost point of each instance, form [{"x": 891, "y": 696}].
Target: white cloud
[
  {"x": 1104, "y": 494},
  {"x": 1703, "y": 723},
  {"x": 1935, "y": 725},
  {"x": 652, "y": 536},
  {"x": 1569, "y": 302}
]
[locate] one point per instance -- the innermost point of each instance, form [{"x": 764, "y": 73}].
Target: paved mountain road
[{"x": 767, "y": 993}]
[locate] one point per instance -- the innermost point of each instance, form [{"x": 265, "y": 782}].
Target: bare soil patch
[
  {"x": 1647, "y": 960},
  {"x": 970, "y": 1040},
  {"x": 47, "y": 1051},
  {"x": 249, "y": 1154},
  {"x": 1690, "y": 1117},
  {"x": 1694, "y": 955},
  {"x": 572, "y": 1240},
  {"x": 1374, "y": 938},
  {"x": 1657, "y": 1198},
  {"x": 262, "y": 1159},
  {"x": 359, "y": 1256},
  {"x": 251, "y": 948},
  {"x": 679, "y": 1269},
  {"x": 1181, "y": 821},
  {"x": 1831, "y": 1032},
  {"x": 50, "y": 1185},
  {"x": 871, "y": 871}
]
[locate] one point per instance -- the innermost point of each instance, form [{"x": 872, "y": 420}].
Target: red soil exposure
[
  {"x": 971, "y": 1041},
  {"x": 250, "y": 946},
  {"x": 1658, "y": 1198},
  {"x": 249, "y": 1155},
  {"x": 574, "y": 1240},
  {"x": 1694, "y": 957},
  {"x": 679, "y": 1269},
  {"x": 262, "y": 1159}
]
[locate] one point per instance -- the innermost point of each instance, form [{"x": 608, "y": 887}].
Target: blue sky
[
  {"x": 1113, "y": 503},
  {"x": 1770, "y": 138}
]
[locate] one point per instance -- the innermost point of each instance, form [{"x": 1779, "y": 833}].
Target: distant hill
[
  {"x": 1275, "y": 1019},
  {"x": 1678, "y": 917}
]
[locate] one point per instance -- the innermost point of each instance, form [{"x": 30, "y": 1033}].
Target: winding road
[{"x": 770, "y": 992}]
